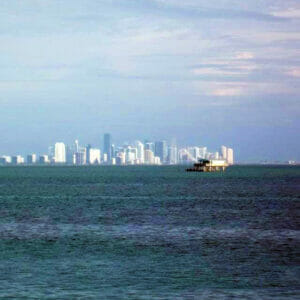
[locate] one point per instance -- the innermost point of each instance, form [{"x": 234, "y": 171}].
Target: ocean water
[{"x": 149, "y": 233}]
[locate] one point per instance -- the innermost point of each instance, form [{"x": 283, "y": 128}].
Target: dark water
[{"x": 149, "y": 233}]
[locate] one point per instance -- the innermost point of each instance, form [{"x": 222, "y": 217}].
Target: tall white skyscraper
[
  {"x": 131, "y": 154},
  {"x": 140, "y": 152},
  {"x": 60, "y": 153},
  {"x": 94, "y": 156},
  {"x": 224, "y": 152},
  {"x": 230, "y": 156},
  {"x": 76, "y": 146}
]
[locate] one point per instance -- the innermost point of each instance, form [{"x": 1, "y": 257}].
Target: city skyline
[
  {"x": 135, "y": 153},
  {"x": 100, "y": 145}
]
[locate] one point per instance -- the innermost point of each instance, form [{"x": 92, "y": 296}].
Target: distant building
[
  {"x": 224, "y": 152},
  {"x": 18, "y": 159},
  {"x": 107, "y": 145},
  {"x": 88, "y": 148},
  {"x": 76, "y": 146},
  {"x": 194, "y": 152},
  {"x": 209, "y": 155},
  {"x": 120, "y": 158},
  {"x": 69, "y": 154},
  {"x": 182, "y": 156},
  {"x": 130, "y": 154},
  {"x": 230, "y": 156},
  {"x": 202, "y": 152},
  {"x": 149, "y": 146},
  {"x": 4, "y": 160},
  {"x": 113, "y": 151},
  {"x": 157, "y": 160},
  {"x": 94, "y": 156},
  {"x": 80, "y": 157},
  {"x": 172, "y": 155},
  {"x": 161, "y": 150},
  {"x": 31, "y": 159},
  {"x": 216, "y": 155},
  {"x": 44, "y": 159},
  {"x": 51, "y": 151},
  {"x": 140, "y": 152},
  {"x": 105, "y": 158},
  {"x": 149, "y": 157},
  {"x": 60, "y": 153}
]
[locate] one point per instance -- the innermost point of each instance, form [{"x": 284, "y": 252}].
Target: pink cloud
[{"x": 295, "y": 72}]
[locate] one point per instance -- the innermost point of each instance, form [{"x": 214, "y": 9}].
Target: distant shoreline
[{"x": 142, "y": 165}]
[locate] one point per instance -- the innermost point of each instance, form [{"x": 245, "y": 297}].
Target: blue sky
[{"x": 206, "y": 72}]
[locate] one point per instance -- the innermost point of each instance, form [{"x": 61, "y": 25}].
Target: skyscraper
[
  {"x": 88, "y": 148},
  {"x": 107, "y": 145},
  {"x": 161, "y": 150},
  {"x": 173, "y": 152},
  {"x": 149, "y": 157},
  {"x": 5, "y": 160},
  {"x": 230, "y": 156},
  {"x": 18, "y": 159},
  {"x": 31, "y": 158},
  {"x": 140, "y": 152},
  {"x": 113, "y": 151},
  {"x": 76, "y": 146},
  {"x": 224, "y": 152},
  {"x": 60, "y": 153},
  {"x": 121, "y": 159},
  {"x": 172, "y": 155},
  {"x": 94, "y": 156},
  {"x": 80, "y": 157},
  {"x": 44, "y": 159},
  {"x": 149, "y": 146},
  {"x": 69, "y": 154}
]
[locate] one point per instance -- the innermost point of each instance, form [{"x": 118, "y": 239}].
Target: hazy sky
[{"x": 208, "y": 72}]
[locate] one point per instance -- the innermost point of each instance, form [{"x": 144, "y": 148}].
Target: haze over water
[{"x": 149, "y": 233}]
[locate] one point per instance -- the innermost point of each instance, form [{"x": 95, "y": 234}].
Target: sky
[{"x": 206, "y": 72}]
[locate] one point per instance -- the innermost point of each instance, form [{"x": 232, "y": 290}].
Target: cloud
[
  {"x": 289, "y": 13},
  {"x": 227, "y": 92},
  {"x": 241, "y": 89},
  {"x": 244, "y": 55},
  {"x": 294, "y": 72},
  {"x": 221, "y": 10},
  {"x": 215, "y": 71},
  {"x": 240, "y": 64}
]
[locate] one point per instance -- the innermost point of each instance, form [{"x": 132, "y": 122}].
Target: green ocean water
[{"x": 149, "y": 233}]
